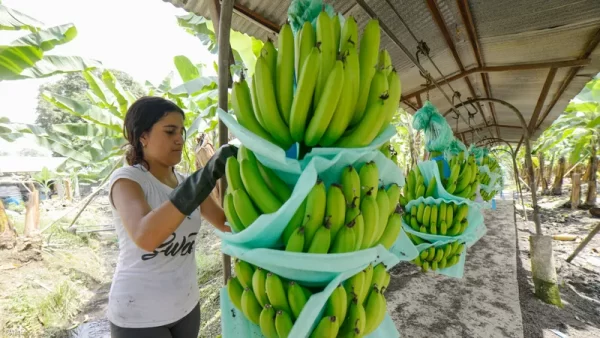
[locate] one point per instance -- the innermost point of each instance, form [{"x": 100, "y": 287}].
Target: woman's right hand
[{"x": 188, "y": 196}]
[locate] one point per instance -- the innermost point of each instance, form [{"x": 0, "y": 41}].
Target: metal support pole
[{"x": 224, "y": 80}]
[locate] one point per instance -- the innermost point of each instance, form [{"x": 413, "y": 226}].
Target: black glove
[{"x": 197, "y": 187}]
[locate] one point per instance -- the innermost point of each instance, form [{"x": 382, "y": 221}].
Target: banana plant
[{"x": 26, "y": 57}]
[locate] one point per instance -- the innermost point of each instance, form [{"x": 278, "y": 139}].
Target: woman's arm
[
  {"x": 147, "y": 227},
  {"x": 213, "y": 213}
]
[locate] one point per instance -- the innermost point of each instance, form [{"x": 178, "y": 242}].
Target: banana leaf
[{"x": 11, "y": 19}]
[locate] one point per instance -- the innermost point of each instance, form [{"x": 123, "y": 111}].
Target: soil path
[{"x": 484, "y": 303}]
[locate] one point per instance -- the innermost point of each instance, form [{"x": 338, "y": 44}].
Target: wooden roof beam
[
  {"x": 587, "y": 51},
  {"x": 541, "y": 99},
  {"x": 256, "y": 18},
  {"x": 439, "y": 20},
  {"x": 503, "y": 68},
  {"x": 467, "y": 18}
]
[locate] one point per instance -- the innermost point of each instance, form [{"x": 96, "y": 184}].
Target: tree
[
  {"x": 75, "y": 86},
  {"x": 26, "y": 57}
]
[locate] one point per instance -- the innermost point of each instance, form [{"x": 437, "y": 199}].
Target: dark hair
[{"x": 140, "y": 118}]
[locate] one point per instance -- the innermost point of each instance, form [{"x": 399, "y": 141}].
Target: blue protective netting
[
  {"x": 301, "y": 11},
  {"x": 438, "y": 133}
]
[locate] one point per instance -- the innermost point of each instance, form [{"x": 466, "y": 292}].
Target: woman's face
[{"x": 163, "y": 143}]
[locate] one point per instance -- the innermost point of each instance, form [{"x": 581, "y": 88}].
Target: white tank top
[{"x": 159, "y": 287}]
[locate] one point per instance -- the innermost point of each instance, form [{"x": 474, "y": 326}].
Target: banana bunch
[
  {"x": 487, "y": 195},
  {"x": 274, "y": 303},
  {"x": 365, "y": 306},
  {"x": 491, "y": 163},
  {"x": 484, "y": 178},
  {"x": 464, "y": 177},
  {"x": 446, "y": 219},
  {"x": 253, "y": 189},
  {"x": 345, "y": 96},
  {"x": 441, "y": 257},
  {"x": 354, "y": 214},
  {"x": 267, "y": 300}
]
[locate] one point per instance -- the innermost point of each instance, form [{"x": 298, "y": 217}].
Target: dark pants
[{"x": 186, "y": 327}]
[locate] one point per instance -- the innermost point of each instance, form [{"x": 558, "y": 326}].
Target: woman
[{"x": 157, "y": 217}]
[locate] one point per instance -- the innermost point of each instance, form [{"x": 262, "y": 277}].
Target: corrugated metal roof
[{"x": 508, "y": 32}]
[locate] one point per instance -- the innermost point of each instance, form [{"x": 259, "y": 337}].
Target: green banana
[
  {"x": 232, "y": 173},
  {"x": 350, "y": 181},
  {"x": 431, "y": 254},
  {"x": 368, "y": 278},
  {"x": 420, "y": 212},
  {"x": 321, "y": 241},
  {"x": 284, "y": 78},
  {"x": 257, "y": 188},
  {"x": 383, "y": 204},
  {"x": 267, "y": 102},
  {"x": 369, "y": 179},
  {"x": 443, "y": 228},
  {"x": 431, "y": 187},
  {"x": 297, "y": 299},
  {"x": 326, "y": 105},
  {"x": 344, "y": 108},
  {"x": 379, "y": 273},
  {"x": 241, "y": 102},
  {"x": 392, "y": 230},
  {"x": 426, "y": 215},
  {"x": 442, "y": 212},
  {"x": 370, "y": 212},
  {"x": 231, "y": 215},
  {"x": 267, "y": 322},
  {"x": 378, "y": 88},
  {"x": 359, "y": 230},
  {"x": 434, "y": 216},
  {"x": 368, "y": 53},
  {"x": 335, "y": 23},
  {"x": 276, "y": 293},
  {"x": 425, "y": 266},
  {"x": 349, "y": 34},
  {"x": 250, "y": 306},
  {"x": 270, "y": 54},
  {"x": 354, "y": 324},
  {"x": 244, "y": 272},
  {"x": 335, "y": 209},
  {"x": 354, "y": 286},
  {"x": 306, "y": 43},
  {"x": 375, "y": 310},
  {"x": 385, "y": 62},
  {"x": 315, "y": 211},
  {"x": 391, "y": 104},
  {"x": 244, "y": 207},
  {"x": 303, "y": 96},
  {"x": 296, "y": 241},
  {"x": 365, "y": 132},
  {"x": 325, "y": 37},
  {"x": 337, "y": 304},
  {"x": 283, "y": 324},
  {"x": 411, "y": 181},
  {"x": 462, "y": 212},
  {"x": 328, "y": 327},
  {"x": 393, "y": 192},
  {"x": 345, "y": 241},
  {"x": 258, "y": 286},
  {"x": 386, "y": 282},
  {"x": 255, "y": 106},
  {"x": 235, "y": 290},
  {"x": 295, "y": 222},
  {"x": 275, "y": 184}
]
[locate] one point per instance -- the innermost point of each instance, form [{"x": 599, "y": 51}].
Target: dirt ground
[{"x": 579, "y": 281}]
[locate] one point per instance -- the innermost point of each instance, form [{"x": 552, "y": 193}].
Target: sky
[{"x": 140, "y": 37}]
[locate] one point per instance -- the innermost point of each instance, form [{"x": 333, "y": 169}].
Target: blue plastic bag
[
  {"x": 234, "y": 324},
  {"x": 321, "y": 269}
]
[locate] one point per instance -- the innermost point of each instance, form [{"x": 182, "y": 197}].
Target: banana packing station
[{"x": 472, "y": 73}]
